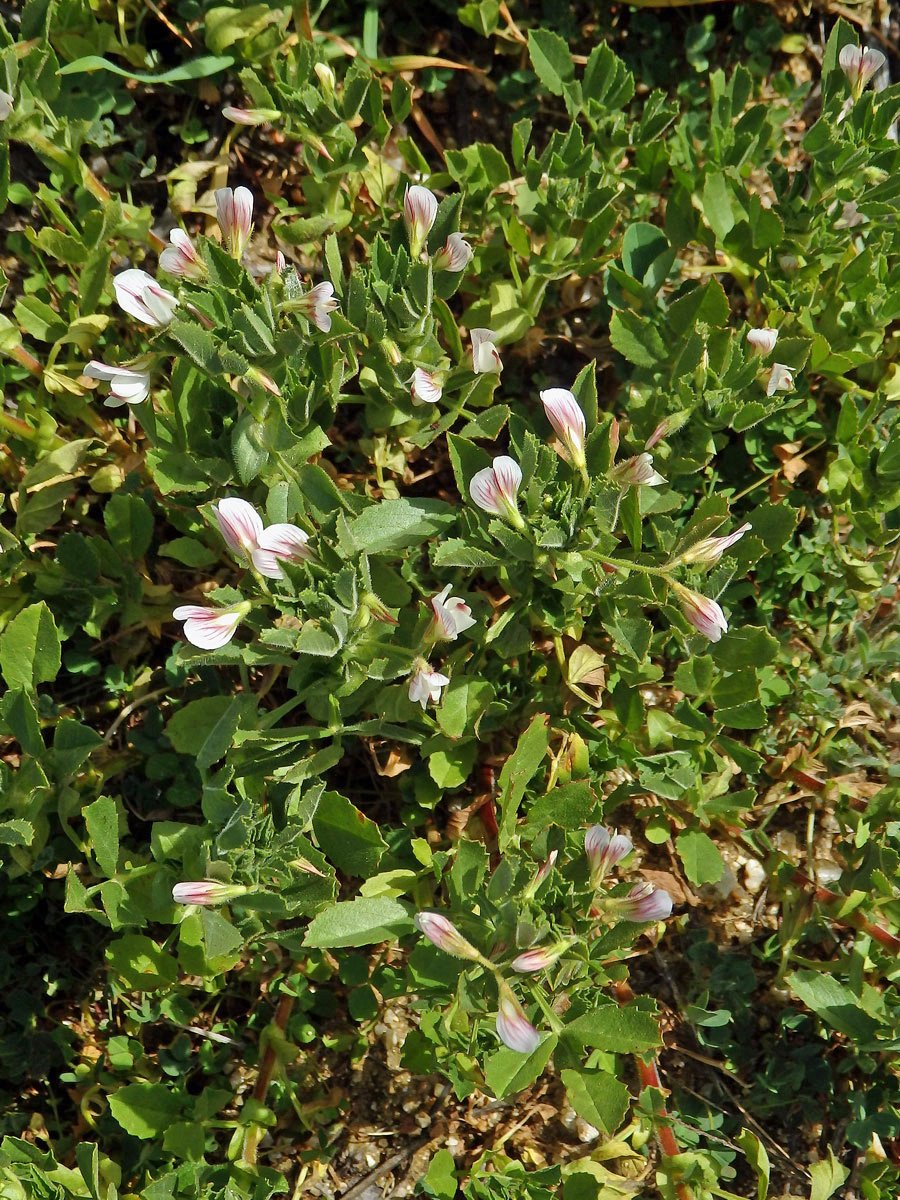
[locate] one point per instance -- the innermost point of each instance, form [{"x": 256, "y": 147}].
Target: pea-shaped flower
[
  {"x": 142, "y": 297},
  {"x": 419, "y": 211},
  {"x": 494, "y": 489}
]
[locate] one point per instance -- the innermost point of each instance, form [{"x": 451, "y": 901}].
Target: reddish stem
[
  {"x": 270, "y": 1058},
  {"x": 649, "y": 1076}
]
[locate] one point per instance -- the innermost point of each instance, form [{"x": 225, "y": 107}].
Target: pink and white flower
[
  {"x": 762, "y": 340},
  {"x": 126, "y": 386},
  {"x": 604, "y": 850},
  {"x": 452, "y": 615},
  {"x": 567, "y": 419},
  {"x": 240, "y": 524},
  {"x": 711, "y": 549},
  {"x": 280, "y": 262},
  {"x": 781, "y": 379},
  {"x": 637, "y": 472},
  {"x": 141, "y": 297},
  {"x": 426, "y": 684},
  {"x": 234, "y": 213},
  {"x": 444, "y": 934},
  {"x": 419, "y": 211},
  {"x": 426, "y": 387},
  {"x": 704, "y": 614},
  {"x": 643, "y": 903},
  {"x": 859, "y": 64},
  {"x": 494, "y": 489},
  {"x": 540, "y": 957},
  {"x": 279, "y": 543},
  {"x": 455, "y": 255},
  {"x": 206, "y": 892},
  {"x": 210, "y": 628},
  {"x": 249, "y": 116},
  {"x": 318, "y": 304},
  {"x": 181, "y": 258},
  {"x": 513, "y": 1027},
  {"x": 485, "y": 355}
]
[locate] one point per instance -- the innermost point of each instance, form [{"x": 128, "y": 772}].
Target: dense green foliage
[{"x": 356, "y": 747}]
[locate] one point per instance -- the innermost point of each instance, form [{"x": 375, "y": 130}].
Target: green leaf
[
  {"x": 349, "y": 839},
  {"x": 464, "y": 701},
  {"x": 72, "y": 745},
  {"x": 518, "y": 769},
  {"x": 627, "y": 1030},
  {"x": 30, "y": 648},
  {"x": 189, "y": 551},
  {"x": 636, "y": 339},
  {"x": 140, "y": 964},
  {"x": 834, "y": 1003},
  {"x": 205, "y": 728},
  {"x": 552, "y": 60},
  {"x": 194, "y": 68},
  {"x": 102, "y": 821},
  {"x": 186, "y": 1139},
  {"x": 396, "y": 524},
  {"x": 598, "y": 1098},
  {"x": 18, "y": 714},
  {"x": 129, "y": 524},
  {"x": 507, "y": 1071},
  {"x": 827, "y": 1176},
  {"x": 702, "y": 861},
  {"x": 755, "y": 1153},
  {"x": 570, "y": 806},
  {"x": 745, "y": 646},
  {"x": 440, "y": 1178},
  {"x": 717, "y": 204},
  {"x": 359, "y": 922},
  {"x": 145, "y": 1110}
]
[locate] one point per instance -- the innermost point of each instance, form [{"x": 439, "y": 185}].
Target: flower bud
[
  {"x": 711, "y": 549},
  {"x": 666, "y": 428},
  {"x": 541, "y": 874},
  {"x": 704, "y": 614},
  {"x": 206, "y": 892},
  {"x": 249, "y": 116},
  {"x": 539, "y": 958},
  {"x": 444, "y": 934},
  {"x": 604, "y": 850},
  {"x": 325, "y": 76},
  {"x": 513, "y": 1027},
  {"x": 567, "y": 419},
  {"x": 419, "y": 211}
]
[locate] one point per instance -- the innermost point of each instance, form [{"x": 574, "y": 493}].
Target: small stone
[{"x": 754, "y": 876}]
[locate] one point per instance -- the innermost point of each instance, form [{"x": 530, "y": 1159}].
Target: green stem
[{"x": 624, "y": 564}]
